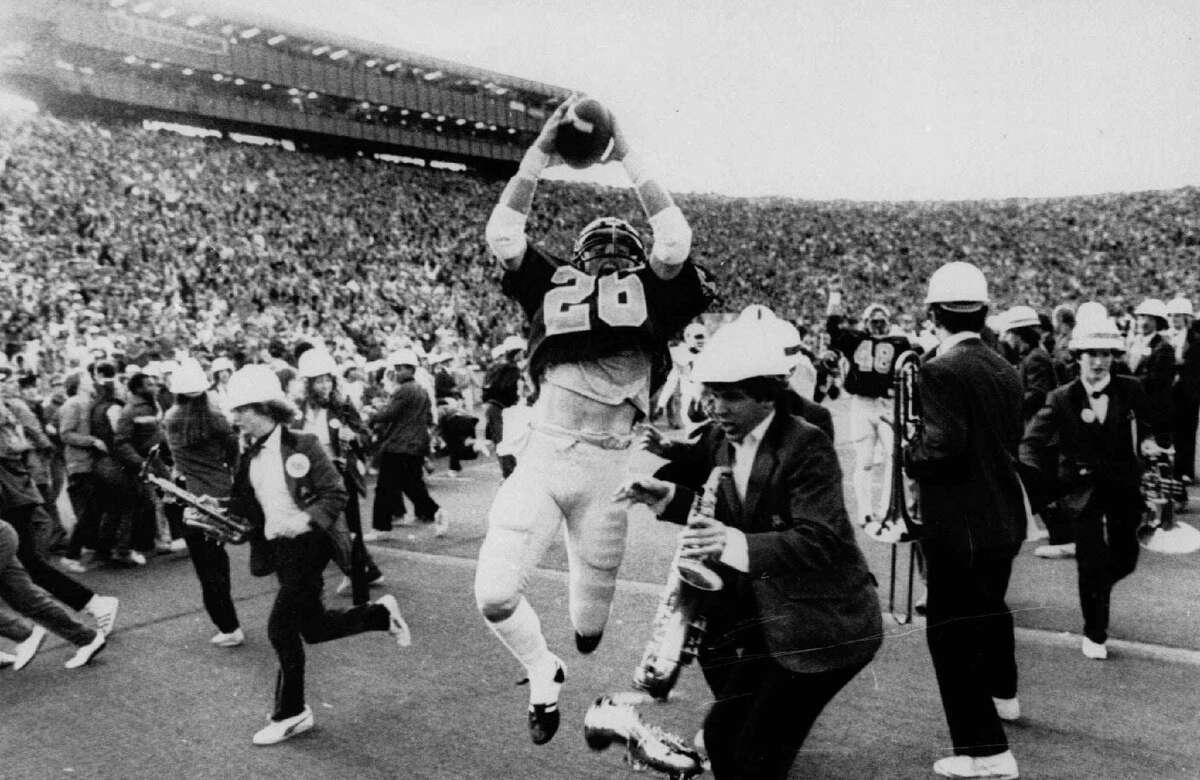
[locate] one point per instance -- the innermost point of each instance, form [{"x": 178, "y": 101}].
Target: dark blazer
[
  {"x": 808, "y": 596},
  {"x": 1189, "y": 371},
  {"x": 1156, "y": 372},
  {"x": 964, "y": 457},
  {"x": 320, "y": 492},
  {"x": 1076, "y": 458},
  {"x": 810, "y": 411},
  {"x": 1038, "y": 379}
]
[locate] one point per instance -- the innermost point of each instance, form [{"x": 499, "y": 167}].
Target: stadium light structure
[
  {"x": 383, "y": 109},
  {"x": 312, "y": 96},
  {"x": 391, "y": 66},
  {"x": 404, "y": 112},
  {"x": 434, "y": 76},
  {"x": 239, "y": 82},
  {"x": 250, "y": 33},
  {"x": 293, "y": 91},
  {"x": 266, "y": 86},
  {"x": 317, "y": 52},
  {"x": 364, "y": 105},
  {"x": 130, "y": 59},
  {"x": 275, "y": 40},
  {"x": 370, "y": 63},
  {"x": 337, "y": 55},
  {"x": 187, "y": 71},
  {"x": 156, "y": 66},
  {"x": 218, "y": 77},
  {"x": 460, "y": 121}
]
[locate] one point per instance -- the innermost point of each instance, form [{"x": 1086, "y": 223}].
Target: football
[{"x": 584, "y": 133}]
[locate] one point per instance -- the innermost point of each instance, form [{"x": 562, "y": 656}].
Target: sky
[{"x": 844, "y": 99}]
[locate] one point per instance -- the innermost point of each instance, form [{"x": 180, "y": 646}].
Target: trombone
[{"x": 900, "y": 524}]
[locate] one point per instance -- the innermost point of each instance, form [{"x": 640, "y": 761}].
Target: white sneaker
[
  {"x": 84, "y": 655},
  {"x": 231, "y": 639},
  {"x": 378, "y": 536},
  {"x": 1008, "y": 709},
  {"x": 1056, "y": 550},
  {"x": 346, "y": 587},
  {"x": 104, "y": 609},
  {"x": 1002, "y": 766},
  {"x": 278, "y": 730},
  {"x": 397, "y": 627},
  {"x": 131, "y": 558},
  {"x": 25, "y": 651},
  {"x": 7, "y": 660},
  {"x": 441, "y": 523},
  {"x": 71, "y": 565},
  {"x": 178, "y": 545},
  {"x": 1097, "y": 651}
]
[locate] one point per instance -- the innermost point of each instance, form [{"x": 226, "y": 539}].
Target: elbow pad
[
  {"x": 672, "y": 236},
  {"x": 506, "y": 233}
]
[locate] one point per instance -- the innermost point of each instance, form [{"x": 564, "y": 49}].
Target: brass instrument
[
  {"x": 679, "y": 621},
  {"x": 206, "y": 513},
  {"x": 1162, "y": 492},
  {"x": 900, "y": 524}
]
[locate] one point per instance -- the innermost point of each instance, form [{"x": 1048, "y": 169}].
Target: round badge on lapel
[
  {"x": 1088, "y": 416},
  {"x": 296, "y": 465},
  {"x": 334, "y": 424}
]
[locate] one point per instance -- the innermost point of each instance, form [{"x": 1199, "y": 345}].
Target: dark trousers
[
  {"x": 298, "y": 614},
  {"x": 1187, "y": 414},
  {"x": 1058, "y": 525},
  {"x": 59, "y": 585},
  {"x": 400, "y": 475},
  {"x": 18, "y": 590},
  {"x": 114, "y": 497},
  {"x": 211, "y": 563},
  {"x": 1106, "y": 551},
  {"x": 763, "y": 713},
  {"x": 970, "y": 636},
  {"x": 81, "y": 489}
]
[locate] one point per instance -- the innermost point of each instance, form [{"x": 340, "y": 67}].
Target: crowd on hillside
[{"x": 159, "y": 242}]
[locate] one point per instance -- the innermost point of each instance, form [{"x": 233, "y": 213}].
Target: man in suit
[
  {"x": 289, "y": 490},
  {"x": 1185, "y": 339},
  {"x": 963, "y": 458},
  {"x": 1152, "y": 360},
  {"x": 1083, "y": 445},
  {"x": 798, "y": 616}
]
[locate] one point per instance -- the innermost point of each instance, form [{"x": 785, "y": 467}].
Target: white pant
[
  {"x": 558, "y": 478},
  {"x": 872, "y": 434}
]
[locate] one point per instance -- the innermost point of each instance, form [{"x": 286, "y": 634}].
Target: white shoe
[
  {"x": 1097, "y": 651},
  {"x": 441, "y": 523},
  {"x": 84, "y": 655},
  {"x": 1008, "y": 709},
  {"x": 346, "y": 587},
  {"x": 178, "y": 545},
  {"x": 71, "y": 565},
  {"x": 231, "y": 639},
  {"x": 1002, "y": 766},
  {"x": 104, "y": 609},
  {"x": 25, "y": 651},
  {"x": 378, "y": 536},
  {"x": 278, "y": 730},
  {"x": 1056, "y": 550},
  {"x": 131, "y": 558},
  {"x": 7, "y": 660},
  {"x": 397, "y": 627}
]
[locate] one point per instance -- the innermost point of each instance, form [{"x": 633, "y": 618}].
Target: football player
[
  {"x": 599, "y": 325},
  {"x": 679, "y": 385},
  {"x": 871, "y": 352}
]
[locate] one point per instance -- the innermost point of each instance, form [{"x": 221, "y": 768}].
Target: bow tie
[
  {"x": 1098, "y": 393},
  {"x": 255, "y": 447}
]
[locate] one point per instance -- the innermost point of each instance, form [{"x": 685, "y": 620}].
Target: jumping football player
[{"x": 599, "y": 325}]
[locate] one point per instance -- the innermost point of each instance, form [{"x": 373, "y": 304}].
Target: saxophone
[{"x": 679, "y": 621}]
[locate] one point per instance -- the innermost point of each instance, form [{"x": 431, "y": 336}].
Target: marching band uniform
[
  {"x": 1186, "y": 392},
  {"x": 1152, "y": 359},
  {"x": 973, "y": 522},
  {"x": 1084, "y": 444},
  {"x": 798, "y": 616},
  {"x": 290, "y": 492}
]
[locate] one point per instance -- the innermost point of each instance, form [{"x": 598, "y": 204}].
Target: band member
[
  {"x": 1185, "y": 338},
  {"x": 288, "y": 489},
  {"x": 974, "y": 522},
  {"x": 871, "y": 352},
  {"x": 327, "y": 414},
  {"x": 1151, "y": 357},
  {"x": 138, "y": 430},
  {"x": 1084, "y": 446},
  {"x": 204, "y": 450},
  {"x": 599, "y": 329},
  {"x": 798, "y": 616}
]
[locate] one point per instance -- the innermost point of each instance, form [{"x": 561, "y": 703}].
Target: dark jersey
[
  {"x": 872, "y": 358},
  {"x": 575, "y": 316}
]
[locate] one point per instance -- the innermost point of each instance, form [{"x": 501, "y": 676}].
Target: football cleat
[
  {"x": 607, "y": 722},
  {"x": 544, "y": 717},
  {"x": 587, "y": 644}
]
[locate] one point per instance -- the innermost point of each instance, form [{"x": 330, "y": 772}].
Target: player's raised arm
[
  {"x": 672, "y": 234},
  {"x": 506, "y": 227}
]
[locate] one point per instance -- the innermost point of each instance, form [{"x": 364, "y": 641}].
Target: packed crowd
[{"x": 158, "y": 242}]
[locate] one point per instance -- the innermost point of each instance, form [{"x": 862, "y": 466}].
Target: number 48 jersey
[
  {"x": 872, "y": 358},
  {"x": 574, "y": 316}
]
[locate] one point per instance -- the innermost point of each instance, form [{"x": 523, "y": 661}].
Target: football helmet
[{"x": 608, "y": 244}]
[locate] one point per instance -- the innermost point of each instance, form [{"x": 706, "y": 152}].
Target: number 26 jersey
[{"x": 574, "y": 316}]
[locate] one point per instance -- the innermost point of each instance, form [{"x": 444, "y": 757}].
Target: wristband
[
  {"x": 636, "y": 168},
  {"x": 533, "y": 163}
]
